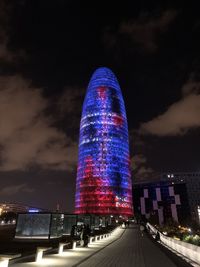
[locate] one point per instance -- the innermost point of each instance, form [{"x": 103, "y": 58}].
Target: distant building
[
  {"x": 161, "y": 201},
  {"x": 192, "y": 182},
  {"x": 17, "y": 208}
]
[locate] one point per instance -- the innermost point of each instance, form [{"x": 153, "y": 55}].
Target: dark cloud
[
  {"x": 16, "y": 189},
  {"x": 141, "y": 165},
  {"x": 69, "y": 108},
  {"x": 142, "y": 32},
  {"x": 192, "y": 86},
  {"x": 144, "y": 173},
  {"x": 7, "y": 55},
  {"x": 145, "y": 29},
  {"x": 180, "y": 117},
  {"x": 137, "y": 160},
  {"x": 4, "y": 11},
  {"x": 136, "y": 140},
  {"x": 70, "y": 102},
  {"x": 140, "y": 169},
  {"x": 27, "y": 134}
]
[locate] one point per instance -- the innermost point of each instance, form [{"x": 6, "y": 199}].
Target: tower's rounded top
[
  {"x": 104, "y": 77},
  {"x": 103, "y": 72}
]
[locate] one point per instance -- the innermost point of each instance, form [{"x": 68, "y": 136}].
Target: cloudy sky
[{"x": 48, "y": 52}]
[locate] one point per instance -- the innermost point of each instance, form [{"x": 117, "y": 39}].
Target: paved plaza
[{"x": 124, "y": 248}]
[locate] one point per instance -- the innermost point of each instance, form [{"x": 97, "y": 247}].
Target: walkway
[
  {"x": 125, "y": 248},
  {"x": 131, "y": 249}
]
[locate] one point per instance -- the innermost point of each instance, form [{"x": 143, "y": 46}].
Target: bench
[
  {"x": 4, "y": 259},
  {"x": 39, "y": 253},
  {"x": 61, "y": 247}
]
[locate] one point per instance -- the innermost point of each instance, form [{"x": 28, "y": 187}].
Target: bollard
[
  {"x": 4, "y": 262},
  {"x": 90, "y": 240},
  {"x": 74, "y": 245},
  {"x": 4, "y": 259},
  {"x": 39, "y": 253},
  {"x": 61, "y": 247}
]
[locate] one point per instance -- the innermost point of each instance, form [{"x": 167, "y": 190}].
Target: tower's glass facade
[{"x": 103, "y": 184}]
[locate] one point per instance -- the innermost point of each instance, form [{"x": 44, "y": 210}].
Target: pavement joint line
[{"x": 77, "y": 264}]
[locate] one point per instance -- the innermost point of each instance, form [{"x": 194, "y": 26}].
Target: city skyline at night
[{"x": 48, "y": 50}]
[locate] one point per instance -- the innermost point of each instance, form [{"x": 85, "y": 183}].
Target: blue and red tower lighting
[{"x": 103, "y": 184}]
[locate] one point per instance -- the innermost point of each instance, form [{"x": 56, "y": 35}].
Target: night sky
[{"x": 48, "y": 52}]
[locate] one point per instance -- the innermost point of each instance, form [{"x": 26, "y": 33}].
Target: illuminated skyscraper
[{"x": 103, "y": 184}]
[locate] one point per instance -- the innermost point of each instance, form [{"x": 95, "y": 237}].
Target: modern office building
[
  {"x": 192, "y": 182},
  {"x": 103, "y": 184},
  {"x": 161, "y": 201}
]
